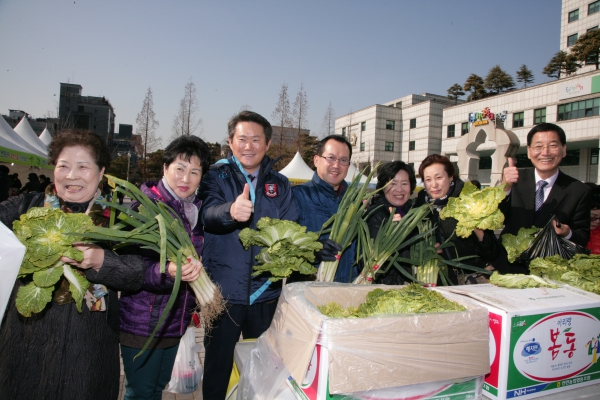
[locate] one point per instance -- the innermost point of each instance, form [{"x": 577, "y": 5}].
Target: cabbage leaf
[
  {"x": 287, "y": 247},
  {"x": 475, "y": 208},
  {"x": 48, "y": 235},
  {"x": 582, "y": 271},
  {"x": 515, "y": 245}
]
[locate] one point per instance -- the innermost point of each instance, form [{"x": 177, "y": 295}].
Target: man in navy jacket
[
  {"x": 318, "y": 199},
  {"x": 237, "y": 192}
]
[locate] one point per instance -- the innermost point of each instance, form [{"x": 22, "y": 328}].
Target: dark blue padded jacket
[
  {"x": 225, "y": 259},
  {"x": 316, "y": 202}
]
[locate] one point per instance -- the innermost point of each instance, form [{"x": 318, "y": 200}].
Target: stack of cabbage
[
  {"x": 410, "y": 299},
  {"x": 582, "y": 271}
]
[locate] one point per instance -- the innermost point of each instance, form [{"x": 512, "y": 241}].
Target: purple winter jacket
[{"x": 140, "y": 310}]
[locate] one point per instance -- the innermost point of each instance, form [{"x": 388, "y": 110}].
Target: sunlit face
[
  {"x": 183, "y": 176},
  {"x": 249, "y": 145},
  {"x": 546, "y": 153},
  {"x": 398, "y": 191},
  {"x": 333, "y": 173},
  {"x": 76, "y": 175},
  {"x": 436, "y": 181},
  {"x": 595, "y": 219}
]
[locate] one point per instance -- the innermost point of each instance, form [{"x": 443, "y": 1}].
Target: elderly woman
[
  {"x": 438, "y": 175},
  {"x": 394, "y": 198},
  {"x": 61, "y": 353},
  {"x": 185, "y": 161}
]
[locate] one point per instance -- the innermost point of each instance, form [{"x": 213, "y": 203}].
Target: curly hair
[{"x": 84, "y": 138}]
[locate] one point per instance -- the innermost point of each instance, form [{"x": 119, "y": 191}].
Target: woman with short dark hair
[
  {"x": 393, "y": 199},
  {"x": 185, "y": 160},
  {"x": 438, "y": 175},
  {"x": 61, "y": 353}
]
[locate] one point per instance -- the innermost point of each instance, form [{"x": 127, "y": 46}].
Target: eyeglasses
[
  {"x": 538, "y": 148},
  {"x": 331, "y": 160}
]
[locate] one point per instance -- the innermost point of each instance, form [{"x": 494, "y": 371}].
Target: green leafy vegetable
[
  {"x": 475, "y": 208},
  {"x": 43, "y": 231},
  {"x": 410, "y": 299},
  {"x": 287, "y": 247},
  {"x": 519, "y": 281},
  {"x": 515, "y": 245},
  {"x": 582, "y": 271}
]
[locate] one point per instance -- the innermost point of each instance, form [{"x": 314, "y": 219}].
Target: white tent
[
  {"x": 297, "y": 171},
  {"x": 12, "y": 136},
  {"x": 26, "y": 132},
  {"x": 46, "y": 137},
  {"x": 352, "y": 172},
  {"x": 17, "y": 154}
]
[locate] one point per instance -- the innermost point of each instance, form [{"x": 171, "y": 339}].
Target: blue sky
[{"x": 350, "y": 53}]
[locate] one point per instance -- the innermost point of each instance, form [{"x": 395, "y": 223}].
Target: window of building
[
  {"x": 363, "y": 126},
  {"x": 391, "y": 125},
  {"x": 389, "y": 146},
  {"x": 411, "y": 145},
  {"x": 571, "y": 40},
  {"x": 450, "y": 131},
  {"x": 574, "y": 15},
  {"x": 399, "y": 104},
  {"x": 344, "y": 132},
  {"x": 579, "y": 109},
  {"x": 68, "y": 100},
  {"x": 464, "y": 128},
  {"x": 412, "y": 165},
  {"x": 413, "y": 123},
  {"x": 485, "y": 162},
  {"x": 571, "y": 159},
  {"x": 518, "y": 119},
  {"x": 362, "y": 146},
  {"x": 594, "y": 7},
  {"x": 594, "y": 156},
  {"x": 593, "y": 28},
  {"x": 539, "y": 116}
]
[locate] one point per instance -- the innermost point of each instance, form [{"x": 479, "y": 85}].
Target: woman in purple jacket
[{"x": 186, "y": 160}]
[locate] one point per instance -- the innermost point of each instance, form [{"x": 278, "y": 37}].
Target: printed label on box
[{"x": 553, "y": 350}]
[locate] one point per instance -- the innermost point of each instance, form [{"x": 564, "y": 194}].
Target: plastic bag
[
  {"x": 187, "y": 371},
  {"x": 547, "y": 243}
]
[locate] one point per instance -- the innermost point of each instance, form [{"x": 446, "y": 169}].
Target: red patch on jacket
[{"x": 271, "y": 189}]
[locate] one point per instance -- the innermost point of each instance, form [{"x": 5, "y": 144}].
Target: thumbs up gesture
[
  {"x": 510, "y": 174},
  {"x": 242, "y": 207}
]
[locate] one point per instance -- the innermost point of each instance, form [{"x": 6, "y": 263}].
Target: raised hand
[{"x": 242, "y": 207}]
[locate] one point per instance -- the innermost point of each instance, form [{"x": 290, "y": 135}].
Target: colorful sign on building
[{"x": 486, "y": 116}]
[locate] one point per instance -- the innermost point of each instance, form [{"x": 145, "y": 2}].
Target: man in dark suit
[{"x": 535, "y": 194}]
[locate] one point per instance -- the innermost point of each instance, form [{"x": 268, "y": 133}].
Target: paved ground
[{"x": 171, "y": 396}]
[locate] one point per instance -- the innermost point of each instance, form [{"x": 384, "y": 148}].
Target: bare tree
[
  {"x": 186, "y": 121},
  {"x": 282, "y": 119},
  {"x": 146, "y": 127},
  {"x": 300, "y": 114},
  {"x": 328, "y": 125}
]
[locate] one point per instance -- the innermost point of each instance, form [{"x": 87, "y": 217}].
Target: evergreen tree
[
  {"x": 524, "y": 75},
  {"x": 454, "y": 92},
  {"x": 562, "y": 62},
  {"x": 587, "y": 48},
  {"x": 474, "y": 85},
  {"x": 498, "y": 81}
]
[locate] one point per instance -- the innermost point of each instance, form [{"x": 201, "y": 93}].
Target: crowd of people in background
[{"x": 216, "y": 202}]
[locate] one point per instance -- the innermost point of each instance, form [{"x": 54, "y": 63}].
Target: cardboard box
[
  {"x": 316, "y": 386},
  {"x": 542, "y": 340},
  {"x": 377, "y": 352}
]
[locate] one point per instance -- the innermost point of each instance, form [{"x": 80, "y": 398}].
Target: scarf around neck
[
  {"x": 440, "y": 203},
  {"x": 189, "y": 208}
]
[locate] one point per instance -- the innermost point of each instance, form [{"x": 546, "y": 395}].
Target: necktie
[
  {"x": 539, "y": 194},
  {"x": 251, "y": 177}
]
